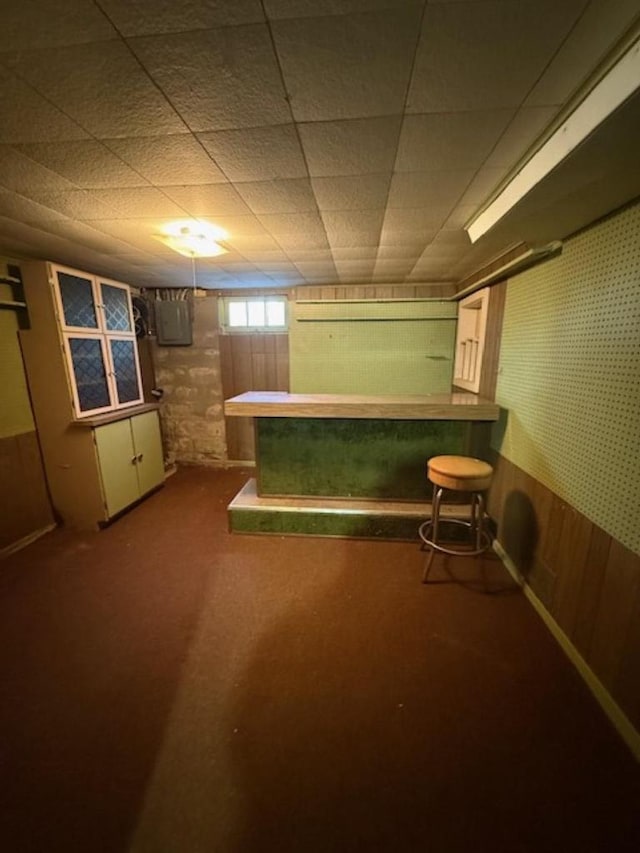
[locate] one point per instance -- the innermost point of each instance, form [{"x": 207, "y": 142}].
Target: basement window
[{"x": 254, "y": 314}]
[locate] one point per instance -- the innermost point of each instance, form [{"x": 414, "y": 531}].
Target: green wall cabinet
[{"x": 130, "y": 460}]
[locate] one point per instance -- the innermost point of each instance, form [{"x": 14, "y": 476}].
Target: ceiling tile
[
  {"x": 460, "y": 216},
  {"x": 357, "y": 147},
  {"x": 410, "y": 228},
  {"x": 393, "y": 269},
  {"x": 349, "y": 66},
  {"x": 78, "y": 204},
  {"x": 351, "y": 268},
  {"x": 151, "y": 17},
  {"x": 287, "y": 279},
  {"x": 87, "y": 163},
  {"x": 415, "y": 218},
  {"x": 25, "y": 210},
  {"x": 218, "y": 79},
  {"x": 138, "y": 233},
  {"x": 485, "y": 55},
  {"x": 482, "y": 186},
  {"x": 353, "y": 227},
  {"x": 262, "y": 245},
  {"x": 316, "y": 268},
  {"x": 593, "y": 36},
  {"x": 277, "y": 267},
  {"x": 304, "y": 253},
  {"x": 89, "y": 237},
  {"x": 354, "y": 253},
  {"x": 280, "y": 196},
  {"x": 430, "y": 269},
  {"x": 314, "y": 8},
  {"x": 30, "y": 24},
  {"x": 105, "y": 90},
  {"x": 436, "y": 189},
  {"x": 257, "y": 154},
  {"x": 28, "y": 117},
  {"x": 397, "y": 253},
  {"x": 207, "y": 199},
  {"x": 139, "y": 202},
  {"x": 356, "y": 192},
  {"x": 312, "y": 239},
  {"x": 449, "y": 141},
  {"x": 238, "y": 226},
  {"x": 21, "y": 174},
  {"x": 172, "y": 160},
  {"x": 291, "y": 223},
  {"x": 526, "y": 127}
]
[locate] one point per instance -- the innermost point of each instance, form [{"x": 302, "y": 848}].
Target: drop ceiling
[{"x": 336, "y": 141}]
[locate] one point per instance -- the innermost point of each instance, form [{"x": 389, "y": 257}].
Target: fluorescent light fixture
[
  {"x": 607, "y": 95},
  {"x": 193, "y": 239}
]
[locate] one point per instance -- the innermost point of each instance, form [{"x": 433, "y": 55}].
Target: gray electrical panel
[{"x": 173, "y": 323}]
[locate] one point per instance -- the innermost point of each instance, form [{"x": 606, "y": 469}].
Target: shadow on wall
[{"x": 520, "y": 531}]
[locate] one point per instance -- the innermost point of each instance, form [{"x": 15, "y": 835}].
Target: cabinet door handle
[
  {"x": 139, "y": 457},
  {"x": 134, "y": 459}
]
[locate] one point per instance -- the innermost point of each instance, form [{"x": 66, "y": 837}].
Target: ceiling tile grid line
[{"x": 348, "y": 139}]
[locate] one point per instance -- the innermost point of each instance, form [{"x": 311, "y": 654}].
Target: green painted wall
[
  {"x": 569, "y": 375},
  {"x": 342, "y": 347}
]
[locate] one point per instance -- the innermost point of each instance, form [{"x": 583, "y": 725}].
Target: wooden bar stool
[{"x": 457, "y": 474}]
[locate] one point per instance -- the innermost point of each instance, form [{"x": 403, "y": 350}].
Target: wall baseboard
[
  {"x": 26, "y": 540},
  {"x": 614, "y": 712}
]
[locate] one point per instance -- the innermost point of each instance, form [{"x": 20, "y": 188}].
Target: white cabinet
[
  {"x": 100, "y": 442},
  {"x": 470, "y": 340},
  {"x": 98, "y": 333}
]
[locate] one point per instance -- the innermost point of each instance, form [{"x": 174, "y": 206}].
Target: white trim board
[{"x": 614, "y": 712}]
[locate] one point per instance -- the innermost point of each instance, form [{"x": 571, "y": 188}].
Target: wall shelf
[{"x": 17, "y": 302}]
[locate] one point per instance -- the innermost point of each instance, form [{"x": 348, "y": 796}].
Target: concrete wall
[{"x": 192, "y": 406}]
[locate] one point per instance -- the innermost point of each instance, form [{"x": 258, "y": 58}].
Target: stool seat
[{"x": 459, "y": 473}]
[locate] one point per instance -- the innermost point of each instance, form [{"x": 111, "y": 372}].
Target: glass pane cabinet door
[
  {"x": 123, "y": 359},
  {"x": 76, "y": 296},
  {"x": 115, "y": 301},
  {"x": 87, "y": 361}
]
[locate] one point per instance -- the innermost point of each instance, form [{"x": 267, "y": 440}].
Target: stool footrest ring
[{"x": 425, "y": 531}]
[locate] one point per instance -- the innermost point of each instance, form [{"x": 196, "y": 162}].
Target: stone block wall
[{"x": 192, "y": 406}]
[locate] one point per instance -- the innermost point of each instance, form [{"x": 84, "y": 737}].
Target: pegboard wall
[{"x": 569, "y": 375}]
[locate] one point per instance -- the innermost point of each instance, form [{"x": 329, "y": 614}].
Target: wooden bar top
[{"x": 458, "y": 406}]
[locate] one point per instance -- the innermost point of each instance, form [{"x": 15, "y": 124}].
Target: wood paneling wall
[
  {"x": 375, "y": 291},
  {"x": 24, "y": 501},
  {"x": 258, "y": 362},
  {"x": 586, "y": 579}
]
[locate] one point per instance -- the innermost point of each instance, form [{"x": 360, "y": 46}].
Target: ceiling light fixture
[
  {"x": 617, "y": 84},
  {"x": 193, "y": 239}
]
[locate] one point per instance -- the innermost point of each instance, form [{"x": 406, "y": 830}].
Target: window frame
[
  {"x": 226, "y": 329},
  {"x": 100, "y": 333}
]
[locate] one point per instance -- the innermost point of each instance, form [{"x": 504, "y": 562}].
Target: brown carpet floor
[{"x": 170, "y": 688}]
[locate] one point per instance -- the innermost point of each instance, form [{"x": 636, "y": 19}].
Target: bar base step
[{"x": 341, "y": 517}]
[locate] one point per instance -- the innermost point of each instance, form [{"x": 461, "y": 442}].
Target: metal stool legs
[{"x": 429, "y": 531}]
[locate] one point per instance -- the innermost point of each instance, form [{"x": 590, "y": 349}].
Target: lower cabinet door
[
  {"x": 147, "y": 445},
  {"x": 118, "y": 465}
]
